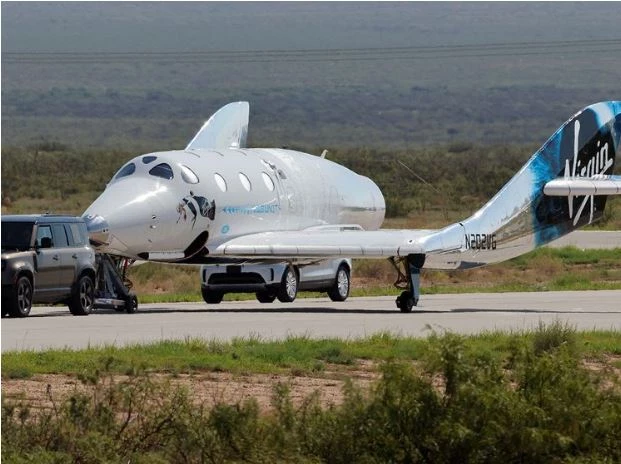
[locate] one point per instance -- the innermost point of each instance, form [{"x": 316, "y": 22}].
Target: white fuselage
[{"x": 163, "y": 205}]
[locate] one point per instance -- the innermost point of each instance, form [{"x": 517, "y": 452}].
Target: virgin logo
[{"x": 596, "y": 165}]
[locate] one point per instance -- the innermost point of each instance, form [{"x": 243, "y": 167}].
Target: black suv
[{"x": 46, "y": 259}]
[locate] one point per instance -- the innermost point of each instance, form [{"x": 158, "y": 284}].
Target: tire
[
  {"x": 405, "y": 302},
  {"x": 211, "y": 297},
  {"x": 288, "y": 289},
  {"x": 265, "y": 296},
  {"x": 20, "y": 303},
  {"x": 83, "y": 297},
  {"x": 340, "y": 289},
  {"x": 131, "y": 304}
]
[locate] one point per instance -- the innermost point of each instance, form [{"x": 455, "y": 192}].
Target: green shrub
[{"x": 538, "y": 404}]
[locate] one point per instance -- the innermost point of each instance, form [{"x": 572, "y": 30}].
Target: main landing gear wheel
[
  {"x": 405, "y": 302},
  {"x": 265, "y": 296},
  {"x": 212, "y": 297},
  {"x": 288, "y": 286},
  {"x": 411, "y": 277},
  {"x": 340, "y": 289}
]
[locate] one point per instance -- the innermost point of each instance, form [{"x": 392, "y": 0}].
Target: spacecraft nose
[{"x": 98, "y": 230}]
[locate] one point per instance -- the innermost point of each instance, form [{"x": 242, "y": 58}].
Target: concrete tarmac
[
  {"x": 590, "y": 239},
  {"x": 316, "y": 317}
]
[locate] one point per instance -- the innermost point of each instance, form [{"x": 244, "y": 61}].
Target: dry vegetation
[{"x": 540, "y": 398}]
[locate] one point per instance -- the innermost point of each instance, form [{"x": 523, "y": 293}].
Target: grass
[{"x": 299, "y": 354}]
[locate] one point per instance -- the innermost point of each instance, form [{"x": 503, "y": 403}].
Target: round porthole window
[
  {"x": 220, "y": 182},
  {"x": 245, "y": 181},
  {"x": 269, "y": 183}
]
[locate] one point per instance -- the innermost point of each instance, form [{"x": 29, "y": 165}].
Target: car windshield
[{"x": 16, "y": 235}]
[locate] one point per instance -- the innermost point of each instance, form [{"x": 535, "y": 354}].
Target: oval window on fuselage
[
  {"x": 269, "y": 183},
  {"x": 245, "y": 181},
  {"x": 162, "y": 170},
  {"x": 188, "y": 175},
  {"x": 220, "y": 181}
]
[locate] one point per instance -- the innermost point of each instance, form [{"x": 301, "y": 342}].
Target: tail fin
[
  {"x": 226, "y": 128},
  {"x": 523, "y": 215}
]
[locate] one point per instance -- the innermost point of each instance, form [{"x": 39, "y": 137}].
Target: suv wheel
[
  {"x": 265, "y": 296},
  {"x": 81, "y": 301},
  {"x": 288, "y": 286},
  {"x": 211, "y": 297},
  {"x": 340, "y": 288},
  {"x": 21, "y": 300}
]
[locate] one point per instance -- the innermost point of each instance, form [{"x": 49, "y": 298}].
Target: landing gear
[
  {"x": 112, "y": 287},
  {"x": 410, "y": 280},
  {"x": 405, "y": 302},
  {"x": 131, "y": 303}
]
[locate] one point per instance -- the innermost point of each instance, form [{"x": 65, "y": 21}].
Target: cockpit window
[
  {"x": 162, "y": 170},
  {"x": 126, "y": 170},
  {"x": 148, "y": 159},
  {"x": 188, "y": 175}
]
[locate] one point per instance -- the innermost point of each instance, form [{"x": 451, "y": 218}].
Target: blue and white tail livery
[
  {"x": 562, "y": 187},
  {"x": 220, "y": 202}
]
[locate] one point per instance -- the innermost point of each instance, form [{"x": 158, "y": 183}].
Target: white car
[{"x": 278, "y": 280}]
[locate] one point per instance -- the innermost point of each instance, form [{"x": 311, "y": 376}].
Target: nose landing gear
[
  {"x": 113, "y": 289},
  {"x": 410, "y": 280}
]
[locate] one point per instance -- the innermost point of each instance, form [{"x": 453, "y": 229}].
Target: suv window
[
  {"x": 60, "y": 236},
  {"x": 44, "y": 232},
  {"x": 16, "y": 235},
  {"x": 75, "y": 235}
]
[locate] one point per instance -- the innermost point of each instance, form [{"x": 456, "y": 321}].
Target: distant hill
[{"x": 421, "y": 73}]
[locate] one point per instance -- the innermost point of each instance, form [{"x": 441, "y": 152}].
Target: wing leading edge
[
  {"x": 315, "y": 244},
  {"x": 350, "y": 243}
]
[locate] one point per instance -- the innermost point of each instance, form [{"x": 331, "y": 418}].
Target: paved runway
[
  {"x": 317, "y": 317},
  {"x": 589, "y": 239}
]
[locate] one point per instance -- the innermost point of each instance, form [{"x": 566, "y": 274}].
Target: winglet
[{"x": 226, "y": 128}]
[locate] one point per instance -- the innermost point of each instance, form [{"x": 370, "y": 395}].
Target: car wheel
[
  {"x": 340, "y": 289},
  {"x": 288, "y": 289},
  {"x": 21, "y": 301},
  {"x": 131, "y": 304},
  {"x": 83, "y": 297},
  {"x": 211, "y": 297},
  {"x": 265, "y": 296}
]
